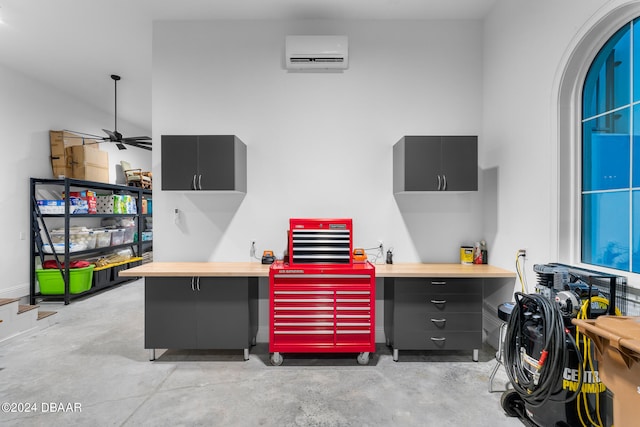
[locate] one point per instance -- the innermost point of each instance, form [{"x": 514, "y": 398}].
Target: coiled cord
[{"x": 539, "y": 387}]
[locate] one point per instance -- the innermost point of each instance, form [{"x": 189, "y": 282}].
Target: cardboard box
[
  {"x": 89, "y": 198},
  {"x": 87, "y": 163},
  {"x": 59, "y": 140},
  {"x": 51, "y": 206},
  {"x": 56, "y": 207}
]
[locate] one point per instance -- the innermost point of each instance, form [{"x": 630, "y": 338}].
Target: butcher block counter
[
  {"x": 255, "y": 269},
  {"x": 198, "y": 269}
]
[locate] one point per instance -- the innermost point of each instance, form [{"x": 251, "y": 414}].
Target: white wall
[
  {"x": 526, "y": 49},
  {"x": 319, "y": 144},
  {"x": 29, "y": 110}
]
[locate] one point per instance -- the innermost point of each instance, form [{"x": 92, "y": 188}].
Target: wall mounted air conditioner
[{"x": 317, "y": 52}]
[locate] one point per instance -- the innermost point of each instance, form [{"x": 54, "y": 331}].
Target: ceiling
[{"x": 75, "y": 45}]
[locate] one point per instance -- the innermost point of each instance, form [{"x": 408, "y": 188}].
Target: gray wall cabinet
[
  {"x": 201, "y": 312},
  {"x": 433, "y": 314},
  {"x": 204, "y": 162},
  {"x": 435, "y": 163}
]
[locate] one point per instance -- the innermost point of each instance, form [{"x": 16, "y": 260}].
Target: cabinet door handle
[
  {"x": 439, "y": 283},
  {"x": 193, "y": 283},
  {"x": 199, "y": 182},
  {"x": 444, "y": 182},
  {"x": 439, "y": 182},
  {"x": 439, "y": 320},
  {"x": 439, "y": 339},
  {"x": 198, "y": 283},
  {"x": 439, "y": 301},
  {"x": 194, "y": 182}
]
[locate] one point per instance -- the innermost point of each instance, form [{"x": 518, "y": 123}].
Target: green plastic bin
[{"x": 51, "y": 282}]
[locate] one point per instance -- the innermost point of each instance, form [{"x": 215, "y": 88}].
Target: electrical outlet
[
  {"x": 522, "y": 253},
  {"x": 252, "y": 248},
  {"x": 381, "y": 245}
]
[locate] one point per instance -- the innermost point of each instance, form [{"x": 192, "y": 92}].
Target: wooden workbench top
[
  {"x": 198, "y": 269},
  {"x": 441, "y": 270},
  {"x": 255, "y": 269}
]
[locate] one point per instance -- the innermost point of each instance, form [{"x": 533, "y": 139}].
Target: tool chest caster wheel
[
  {"x": 363, "y": 358},
  {"x": 276, "y": 359}
]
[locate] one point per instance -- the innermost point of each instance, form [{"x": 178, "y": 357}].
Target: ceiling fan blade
[
  {"x": 139, "y": 145},
  {"x": 112, "y": 135},
  {"x": 145, "y": 143},
  {"x": 137, "y": 138}
]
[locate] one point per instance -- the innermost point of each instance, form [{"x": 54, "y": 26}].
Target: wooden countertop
[
  {"x": 198, "y": 269},
  {"x": 441, "y": 270},
  {"x": 255, "y": 269}
]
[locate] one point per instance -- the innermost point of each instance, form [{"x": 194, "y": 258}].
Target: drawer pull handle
[
  {"x": 439, "y": 339},
  {"x": 439, "y": 301},
  {"x": 439, "y": 320},
  {"x": 439, "y": 283}
]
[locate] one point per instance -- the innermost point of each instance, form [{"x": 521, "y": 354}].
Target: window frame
[{"x": 566, "y": 205}]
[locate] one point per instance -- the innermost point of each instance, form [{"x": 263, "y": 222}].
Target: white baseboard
[{"x": 18, "y": 291}]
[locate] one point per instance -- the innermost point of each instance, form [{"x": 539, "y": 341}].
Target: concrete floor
[{"x": 92, "y": 360}]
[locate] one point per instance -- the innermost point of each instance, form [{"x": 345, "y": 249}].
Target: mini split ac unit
[{"x": 317, "y": 52}]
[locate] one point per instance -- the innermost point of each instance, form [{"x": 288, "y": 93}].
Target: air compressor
[{"x": 549, "y": 362}]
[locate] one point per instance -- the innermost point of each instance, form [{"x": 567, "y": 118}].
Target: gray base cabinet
[
  {"x": 201, "y": 312},
  {"x": 433, "y": 314}
]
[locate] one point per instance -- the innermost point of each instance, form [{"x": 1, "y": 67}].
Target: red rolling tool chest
[{"x": 320, "y": 301}]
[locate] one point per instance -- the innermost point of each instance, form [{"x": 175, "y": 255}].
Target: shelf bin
[
  {"x": 101, "y": 278},
  {"x": 617, "y": 342},
  {"x": 51, "y": 282}
]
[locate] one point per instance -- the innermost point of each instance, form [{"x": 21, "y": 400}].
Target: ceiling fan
[{"x": 116, "y": 137}]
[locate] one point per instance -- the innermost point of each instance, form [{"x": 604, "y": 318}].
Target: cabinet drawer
[
  {"x": 440, "y": 321},
  {"x": 410, "y": 288},
  {"x": 453, "y": 303},
  {"x": 413, "y": 339},
  {"x": 419, "y": 308},
  {"x": 453, "y": 322}
]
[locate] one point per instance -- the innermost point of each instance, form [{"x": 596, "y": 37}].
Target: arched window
[{"x": 610, "y": 195}]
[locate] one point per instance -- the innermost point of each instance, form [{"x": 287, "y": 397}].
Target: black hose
[{"x": 537, "y": 391}]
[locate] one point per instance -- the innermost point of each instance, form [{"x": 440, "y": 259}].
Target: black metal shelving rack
[{"x": 38, "y": 220}]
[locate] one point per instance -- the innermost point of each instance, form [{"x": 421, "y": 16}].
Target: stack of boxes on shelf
[{"x": 74, "y": 156}]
